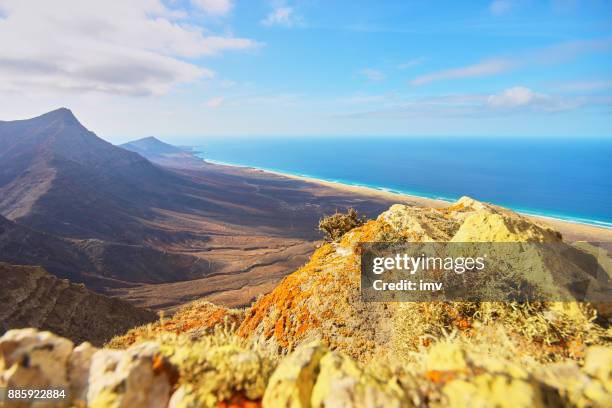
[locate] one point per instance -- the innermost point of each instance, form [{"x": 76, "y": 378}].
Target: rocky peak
[{"x": 322, "y": 299}]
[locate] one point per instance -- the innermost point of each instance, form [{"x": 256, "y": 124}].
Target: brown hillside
[{"x": 31, "y": 297}]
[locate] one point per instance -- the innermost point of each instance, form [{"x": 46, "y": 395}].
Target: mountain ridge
[
  {"x": 33, "y": 297},
  {"x": 163, "y": 153},
  {"x": 101, "y": 204}
]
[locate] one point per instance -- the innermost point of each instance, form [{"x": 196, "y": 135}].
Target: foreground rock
[
  {"x": 173, "y": 373},
  {"x": 139, "y": 377}
]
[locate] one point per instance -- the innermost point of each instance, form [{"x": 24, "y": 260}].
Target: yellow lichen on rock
[
  {"x": 314, "y": 377},
  {"x": 493, "y": 390},
  {"x": 196, "y": 319},
  {"x": 292, "y": 383},
  {"x": 322, "y": 299}
]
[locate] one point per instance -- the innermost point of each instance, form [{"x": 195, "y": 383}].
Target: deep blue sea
[{"x": 562, "y": 178}]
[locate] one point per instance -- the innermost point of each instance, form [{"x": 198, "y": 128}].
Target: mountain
[
  {"x": 315, "y": 342},
  {"x": 58, "y": 177},
  {"x": 32, "y": 297},
  {"x": 164, "y": 154},
  {"x": 111, "y": 218},
  {"x": 151, "y": 146}
]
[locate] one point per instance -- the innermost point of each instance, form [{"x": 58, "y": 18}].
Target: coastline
[{"x": 571, "y": 229}]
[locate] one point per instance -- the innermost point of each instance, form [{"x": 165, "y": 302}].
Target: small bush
[{"x": 338, "y": 224}]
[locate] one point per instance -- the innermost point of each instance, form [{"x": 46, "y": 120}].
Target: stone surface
[
  {"x": 132, "y": 378},
  {"x": 33, "y": 359},
  {"x": 314, "y": 377}
]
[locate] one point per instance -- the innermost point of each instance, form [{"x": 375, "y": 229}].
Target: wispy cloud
[
  {"x": 484, "y": 68},
  {"x": 514, "y": 100},
  {"x": 372, "y": 74},
  {"x": 411, "y": 63},
  {"x": 281, "y": 15},
  {"x": 214, "y": 102},
  {"x": 520, "y": 97},
  {"x": 545, "y": 56},
  {"x": 586, "y": 86}
]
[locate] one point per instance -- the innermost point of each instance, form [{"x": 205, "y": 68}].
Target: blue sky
[{"x": 188, "y": 69}]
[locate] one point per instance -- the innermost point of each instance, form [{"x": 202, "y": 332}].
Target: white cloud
[
  {"x": 283, "y": 15},
  {"x": 411, "y": 63},
  {"x": 515, "y": 97},
  {"x": 138, "y": 47},
  {"x": 215, "y": 7},
  {"x": 514, "y": 100},
  {"x": 522, "y": 98},
  {"x": 500, "y": 7},
  {"x": 372, "y": 74},
  {"x": 214, "y": 102},
  {"x": 489, "y": 67}
]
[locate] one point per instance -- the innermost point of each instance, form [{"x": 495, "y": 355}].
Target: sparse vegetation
[
  {"x": 338, "y": 224},
  {"x": 312, "y": 341}
]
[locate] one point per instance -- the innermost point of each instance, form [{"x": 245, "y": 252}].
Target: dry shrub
[{"x": 338, "y": 224}]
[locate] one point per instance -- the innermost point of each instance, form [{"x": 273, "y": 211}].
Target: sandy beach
[{"x": 572, "y": 231}]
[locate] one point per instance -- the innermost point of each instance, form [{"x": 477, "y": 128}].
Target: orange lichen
[
  {"x": 440, "y": 376},
  {"x": 199, "y": 315},
  {"x": 239, "y": 401},
  {"x": 287, "y": 303}
]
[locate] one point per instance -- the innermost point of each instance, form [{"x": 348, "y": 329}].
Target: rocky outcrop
[
  {"x": 314, "y": 377},
  {"x": 139, "y": 377},
  {"x": 322, "y": 299},
  {"x": 31, "y": 297},
  {"x": 173, "y": 373}
]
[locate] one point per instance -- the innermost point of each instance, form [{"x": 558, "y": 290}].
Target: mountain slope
[
  {"x": 58, "y": 177},
  {"x": 98, "y": 264},
  {"x": 163, "y": 153},
  {"x": 31, "y": 297},
  {"x": 129, "y": 221}
]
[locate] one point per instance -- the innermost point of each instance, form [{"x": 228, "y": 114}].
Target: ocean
[{"x": 568, "y": 179}]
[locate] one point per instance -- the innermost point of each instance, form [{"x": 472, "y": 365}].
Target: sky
[{"x": 184, "y": 70}]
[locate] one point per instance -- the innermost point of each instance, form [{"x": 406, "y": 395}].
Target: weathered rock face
[
  {"x": 31, "y": 297},
  {"x": 322, "y": 299}
]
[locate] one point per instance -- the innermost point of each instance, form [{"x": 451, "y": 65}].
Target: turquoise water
[{"x": 569, "y": 179}]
